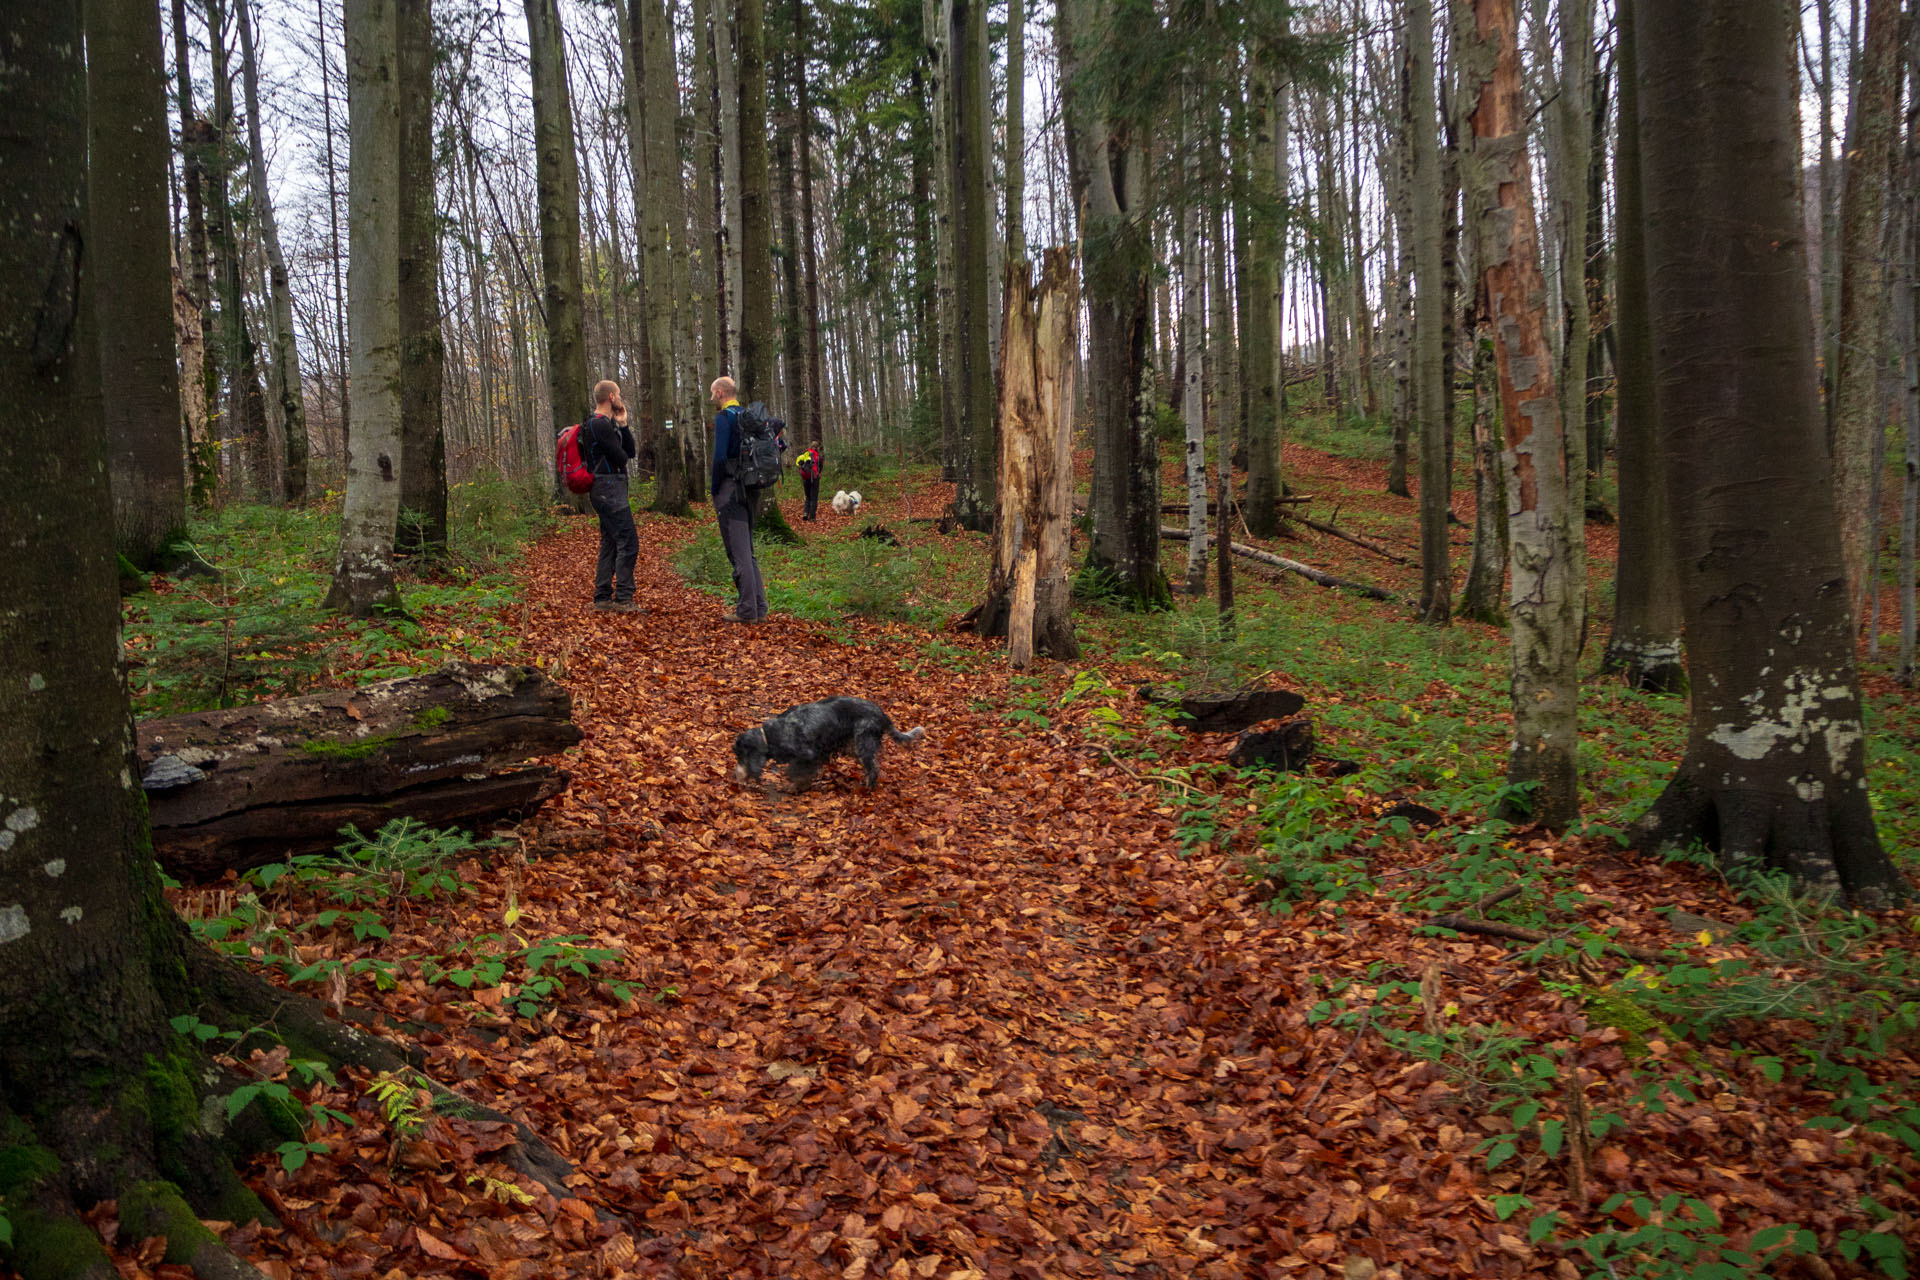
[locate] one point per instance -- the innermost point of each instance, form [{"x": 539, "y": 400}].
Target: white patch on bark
[
  {"x": 36, "y": 682},
  {"x": 13, "y": 924},
  {"x": 25, "y": 818},
  {"x": 57, "y": 868},
  {"x": 1810, "y": 789},
  {"x": 1796, "y": 722},
  {"x": 72, "y": 915}
]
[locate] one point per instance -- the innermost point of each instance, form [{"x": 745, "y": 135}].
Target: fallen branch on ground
[
  {"x": 1514, "y": 933},
  {"x": 1308, "y": 572},
  {"x": 1362, "y": 543}
]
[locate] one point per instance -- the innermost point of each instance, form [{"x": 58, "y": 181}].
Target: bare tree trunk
[
  {"x": 423, "y": 443},
  {"x": 203, "y": 451},
  {"x": 1645, "y": 646},
  {"x": 1774, "y": 774},
  {"x": 1029, "y": 598},
  {"x": 1544, "y": 524},
  {"x": 288, "y": 389},
  {"x": 708, "y": 165},
  {"x": 363, "y": 575},
  {"x": 559, "y": 201},
  {"x": 803, "y": 107},
  {"x": 1193, "y": 346},
  {"x": 652, "y": 106},
  {"x": 333, "y": 220},
  {"x": 1016, "y": 214},
  {"x": 1260, "y": 367},
  {"x": 1432, "y": 397},
  {"x": 967, "y": 90},
  {"x": 1856, "y": 425},
  {"x": 1400, "y": 194},
  {"x": 758, "y": 351},
  {"x": 1483, "y": 598},
  {"x": 728, "y": 69},
  {"x": 139, "y": 386},
  {"x": 1575, "y": 111}
]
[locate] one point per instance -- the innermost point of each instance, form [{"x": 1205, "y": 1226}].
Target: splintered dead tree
[
  {"x": 1029, "y": 595},
  {"x": 363, "y": 574},
  {"x": 1543, "y": 510},
  {"x": 1774, "y": 774}
]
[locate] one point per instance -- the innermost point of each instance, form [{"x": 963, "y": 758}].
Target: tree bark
[
  {"x": 1775, "y": 769},
  {"x": 1856, "y": 424},
  {"x": 139, "y": 383},
  {"x": 1029, "y": 597},
  {"x": 758, "y": 353},
  {"x": 249, "y": 785},
  {"x": 968, "y": 109},
  {"x": 811, "y": 428},
  {"x": 203, "y": 452},
  {"x": 1193, "y": 345},
  {"x": 422, "y": 528},
  {"x": 333, "y": 221},
  {"x": 288, "y": 388},
  {"x": 363, "y": 573},
  {"x": 1574, "y": 109},
  {"x": 1260, "y": 354},
  {"x": 1645, "y": 647},
  {"x": 652, "y": 106},
  {"x": 727, "y": 68},
  {"x": 1543, "y": 509},
  {"x": 1016, "y": 159},
  {"x": 1432, "y": 397},
  {"x": 559, "y": 212},
  {"x": 1483, "y": 598}
]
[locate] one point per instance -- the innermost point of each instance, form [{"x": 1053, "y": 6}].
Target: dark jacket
[
  {"x": 723, "y": 428},
  {"x": 606, "y": 446}
]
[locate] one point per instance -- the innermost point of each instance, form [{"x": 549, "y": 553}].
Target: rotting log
[
  {"x": 249, "y": 785},
  {"x": 1029, "y": 596},
  {"x": 1308, "y": 572},
  {"x": 1229, "y": 713},
  {"x": 1287, "y": 748}
]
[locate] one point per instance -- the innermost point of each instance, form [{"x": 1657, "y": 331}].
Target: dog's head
[{"x": 749, "y": 754}]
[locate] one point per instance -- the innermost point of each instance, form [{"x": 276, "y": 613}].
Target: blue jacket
[{"x": 723, "y": 426}]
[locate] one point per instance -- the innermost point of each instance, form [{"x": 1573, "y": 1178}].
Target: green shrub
[{"x": 703, "y": 562}]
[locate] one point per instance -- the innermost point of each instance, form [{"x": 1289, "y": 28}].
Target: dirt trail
[{"x": 982, "y": 1020}]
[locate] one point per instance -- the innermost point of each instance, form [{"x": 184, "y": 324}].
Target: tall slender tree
[
  {"x": 1775, "y": 769},
  {"x": 652, "y": 105},
  {"x": 202, "y": 451},
  {"x": 967, "y": 109},
  {"x": 1260, "y": 350},
  {"x": 363, "y": 572},
  {"x": 1432, "y": 396},
  {"x": 1543, "y": 505},
  {"x": 758, "y": 353},
  {"x": 423, "y": 448},
  {"x": 558, "y": 177},
  {"x": 139, "y": 383}
]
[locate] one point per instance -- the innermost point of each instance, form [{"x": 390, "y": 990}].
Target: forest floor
[{"x": 1067, "y": 996}]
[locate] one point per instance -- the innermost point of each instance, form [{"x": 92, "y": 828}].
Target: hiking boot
[
  {"x": 602, "y": 606},
  {"x": 733, "y": 615},
  {"x": 624, "y": 606}
]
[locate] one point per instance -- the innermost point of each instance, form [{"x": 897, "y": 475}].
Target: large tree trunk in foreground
[
  {"x": 1544, "y": 502},
  {"x": 1775, "y": 769},
  {"x": 250, "y": 785},
  {"x": 1645, "y": 645},
  {"x": 1029, "y": 597},
  {"x": 363, "y": 575},
  {"x": 138, "y": 380},
  {"x": 423, "y": 441},
  {"x": 558, "y": 176}
]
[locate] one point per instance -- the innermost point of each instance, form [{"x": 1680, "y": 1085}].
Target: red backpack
[{"x": 567, "y": 460}]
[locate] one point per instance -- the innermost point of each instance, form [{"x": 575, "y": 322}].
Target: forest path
[{"x": 982, "y": 1019}]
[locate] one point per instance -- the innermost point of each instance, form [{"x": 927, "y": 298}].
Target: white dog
[{"x": 846, "y": 503}]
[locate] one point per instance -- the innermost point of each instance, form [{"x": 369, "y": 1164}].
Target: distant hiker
[
  {"x": 811, "y": 464},
  {"x": 734, "y": 504},
  {"x": 606, "y": 446}
]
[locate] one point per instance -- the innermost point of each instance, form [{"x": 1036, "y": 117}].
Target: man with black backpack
[
  {"x": 746, "y": 458},
  {"x": 606, "y": 446}
]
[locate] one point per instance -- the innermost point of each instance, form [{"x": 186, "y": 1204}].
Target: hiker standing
[
  {"x": 733, "y": 506},
  {"x": 811, "y": 464},
  {"x": 606, "y": 446}
]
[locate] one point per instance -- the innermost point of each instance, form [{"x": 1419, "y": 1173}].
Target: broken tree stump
[
  {"x": 250, "y": 785},
  {"x": 1229, "y": 713},
  {"x": 1287, "y": 748}
]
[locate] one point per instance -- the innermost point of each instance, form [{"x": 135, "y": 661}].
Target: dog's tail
[{"x": 909, "y": 737}]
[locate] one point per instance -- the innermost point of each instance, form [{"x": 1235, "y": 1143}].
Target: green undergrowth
[{"x": 257, "y": 630}]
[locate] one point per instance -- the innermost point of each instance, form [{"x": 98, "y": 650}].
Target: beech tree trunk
[
  {"x": 422, "y": 527},
  {"x": 1260, "y": 353},
  {"x": 1855, "y": 411},
  {"x": 363, "y": 573},
  {"x": 558, "y": 176},
  {"x": 1432, "y": 397},
  {"x": 203, "y": 452},
  {"x": 652, "y": 106},
  {"x": 811, "y": 428},
  {"x": 1029, "y": 596},
  {"x": 758, "y": 352},
  {"x": 1645, "y": 647},
  {"x": 1544, "y": 508},
  {"x": 139, "y": 384},
  {"x": 288, "y": 388},
  {"x": 1775, "y": 769},
  {"x": 1484, "y": 597},
  {"x": 1193, "y": 346},
  {"x": 967, "y": 111}
]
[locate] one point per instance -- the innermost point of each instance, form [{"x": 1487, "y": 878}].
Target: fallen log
[
  {"x": 1287, "y": 748},
  {"x": 250, "y": 785},
  {"x": 1360, "y": 542},
  {"x": 1229, "y": 713},
  {"x": 1308, "y": 572}
]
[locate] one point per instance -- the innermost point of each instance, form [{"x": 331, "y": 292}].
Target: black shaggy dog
[{"x": 806, "y": 737}]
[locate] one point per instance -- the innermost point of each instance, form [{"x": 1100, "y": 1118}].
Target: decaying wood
[
  {"x": 249, "y": 785},
  {"x": 1230, "y": 713},
  {"x": 1308, "y": 572},
  {"x": 1362, "y": 543},
  {"x": 1286, "y": 748},
  {"x": 1028, "y": 594}
]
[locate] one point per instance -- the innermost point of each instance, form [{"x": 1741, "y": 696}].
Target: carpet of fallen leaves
[{"x": 983, "y": 1021}]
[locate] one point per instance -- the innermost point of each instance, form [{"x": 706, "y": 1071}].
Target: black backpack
[{"x": 756, "y": 450}]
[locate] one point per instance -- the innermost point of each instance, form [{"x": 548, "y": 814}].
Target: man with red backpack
[
  {"x": 811, "y": 464},
  {"x": 606, "y": 446}
]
